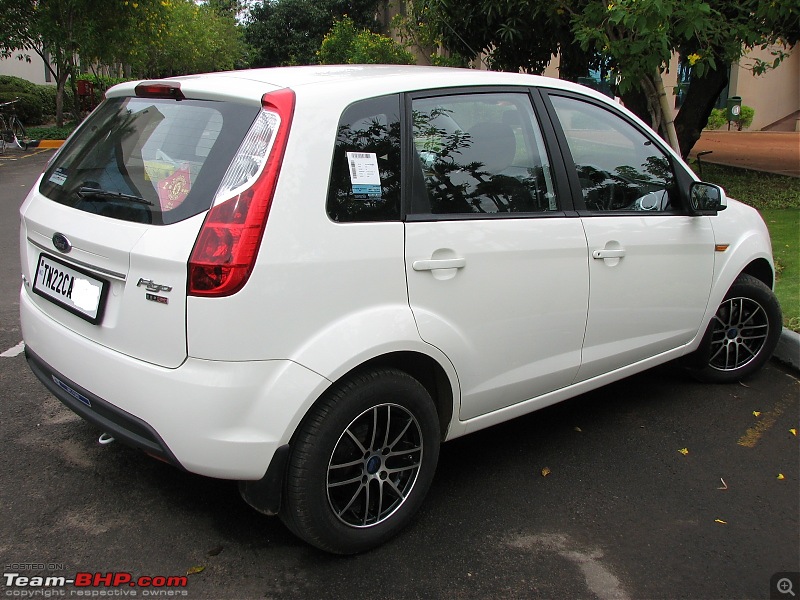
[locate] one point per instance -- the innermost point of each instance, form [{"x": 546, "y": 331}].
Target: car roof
[{"x": 350, "y": 82}]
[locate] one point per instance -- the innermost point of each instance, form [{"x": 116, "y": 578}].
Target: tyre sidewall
[{"x": 306, "y": 488}]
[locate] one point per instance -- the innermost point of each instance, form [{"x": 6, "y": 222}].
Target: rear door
[
  {"x": 497, "y": 270},
  {"x": 107, "y": 234},
  {"x": 650, "y": 262}
]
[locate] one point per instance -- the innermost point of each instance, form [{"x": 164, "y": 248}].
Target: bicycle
[{"x": 12, "y": 132}]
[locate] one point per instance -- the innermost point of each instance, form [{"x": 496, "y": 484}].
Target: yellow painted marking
[{"x": 753, "y": 435}]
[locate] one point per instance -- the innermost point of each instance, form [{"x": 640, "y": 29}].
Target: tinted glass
[
  {"x": 480, "y": 153},
  {"x": 619, "y": 168},
  {"x": 150, "y": 161},
  {"x": 365, "y": 176}
]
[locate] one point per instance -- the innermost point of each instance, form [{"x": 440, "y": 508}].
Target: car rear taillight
[{"x": 225, "y": 251}]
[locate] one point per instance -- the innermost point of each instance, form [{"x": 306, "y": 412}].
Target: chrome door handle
[
  {"x": 608, "y": 253},
  {"x": 444, "y": 263}
]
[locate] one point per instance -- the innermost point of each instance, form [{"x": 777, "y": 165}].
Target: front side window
[
  {"x": 148, "y": 160},
  {"x": 479, "y": 154},
  {"x": 365, "y": 177},
  {"x": 619, "y": 168}
]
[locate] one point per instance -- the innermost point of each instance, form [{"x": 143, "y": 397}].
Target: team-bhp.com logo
[{"x": 112, "y": 584}]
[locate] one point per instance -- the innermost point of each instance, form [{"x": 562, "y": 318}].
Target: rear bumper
[{"x": 215, "y": 418}]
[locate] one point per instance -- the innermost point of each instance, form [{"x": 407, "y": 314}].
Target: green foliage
[
  {"x": 290, "y": 32},
  {"x": 719, "y": 119},
  {"x": 764, "y": 191},
  {"x": 783, "y": 226},
  {"x": 27, "y": 107},
  {"x": 50, "y": 133},
  {"x": 347, "y": 44},
  {"x": 37, "y": 102}
]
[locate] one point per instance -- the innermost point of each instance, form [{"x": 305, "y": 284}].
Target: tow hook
[{"x": 105, "y": 439}]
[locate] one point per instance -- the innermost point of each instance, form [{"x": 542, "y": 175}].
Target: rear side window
[
  {"x": 365, "y": 176},
  {"x": 148, "y": 161}
]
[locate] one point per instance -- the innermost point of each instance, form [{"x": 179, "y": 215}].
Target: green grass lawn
[{"x": 777, "y": 197}]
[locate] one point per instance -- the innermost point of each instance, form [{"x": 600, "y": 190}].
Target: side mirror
[{"x": 706, "y": 198}]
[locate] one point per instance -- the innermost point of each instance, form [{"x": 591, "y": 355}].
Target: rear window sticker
[{"x": 364, "y": 175}]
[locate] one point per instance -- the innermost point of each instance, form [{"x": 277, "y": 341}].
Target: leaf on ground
[
  {"x": 743, "y": 384},
  {"x": 720, "y": 521},
  {"x": 724, "y": 485},
  {"x": 780, "y": 476},
  {"x": 195, "y": 570},
  {"x": 545, "y": 472},
  {"x": 756, "y": 413},
  {"x": 578, "y": 429},
  {"x": 684, "y": 451},
  {"x": 793, "y": 431},
  {"x": 215, "y": 551}
]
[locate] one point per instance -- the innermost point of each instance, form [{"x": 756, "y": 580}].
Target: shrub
[
  {"x": 346, "y": 44},
  {"x": 719, "y": 118},
  {"x": 28, "y": 107}
]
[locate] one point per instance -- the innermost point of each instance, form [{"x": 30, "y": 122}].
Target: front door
[{"x": 497, "y": 273}]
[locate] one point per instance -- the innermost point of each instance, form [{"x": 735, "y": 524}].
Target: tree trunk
[
  {"x": 667, "y": 118},
  {"x": 700, "y": 99}
]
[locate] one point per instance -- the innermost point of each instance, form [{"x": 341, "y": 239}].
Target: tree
[
  {"x": 289, "y": 32},
  {"x": 635, "y": 37},
  {"x": 347, "y": 44}
]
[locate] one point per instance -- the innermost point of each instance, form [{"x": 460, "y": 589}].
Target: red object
[{"x": 225, "y": 251}]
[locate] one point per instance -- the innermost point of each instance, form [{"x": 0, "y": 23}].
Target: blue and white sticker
[
  {"x": 59, "y": 177},
  {"x": 365, "y": 177}
]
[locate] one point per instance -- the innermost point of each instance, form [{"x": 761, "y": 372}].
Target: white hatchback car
[{"x": 307, "y": 278}]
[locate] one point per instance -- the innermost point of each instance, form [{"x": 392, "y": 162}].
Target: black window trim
[
  {"x": 557, "y": 169},
  {"x": 682, "y": 179}
]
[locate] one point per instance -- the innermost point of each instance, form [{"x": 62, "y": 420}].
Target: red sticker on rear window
[{"x": 173, "y": 190}]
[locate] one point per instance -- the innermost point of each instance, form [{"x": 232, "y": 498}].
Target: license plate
[{"x": 71, "y": 288}]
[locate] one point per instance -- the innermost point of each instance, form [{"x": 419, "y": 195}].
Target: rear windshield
[{"x": 148, "y": 161}]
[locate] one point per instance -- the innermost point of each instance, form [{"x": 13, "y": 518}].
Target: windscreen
[{"x": 148, "y": 160}]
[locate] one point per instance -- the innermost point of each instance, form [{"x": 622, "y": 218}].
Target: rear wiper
[{"x": 89, "y": 193}]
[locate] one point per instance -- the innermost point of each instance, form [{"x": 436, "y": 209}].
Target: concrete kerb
[
  {"x": 788, "y": 349},
  {"x": 45, "y": 143}
]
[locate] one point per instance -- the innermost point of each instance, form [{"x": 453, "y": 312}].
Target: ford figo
[{"x": 306, "y": 279}]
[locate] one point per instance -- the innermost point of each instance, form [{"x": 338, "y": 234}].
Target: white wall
[{"x": 33, "y": 71}]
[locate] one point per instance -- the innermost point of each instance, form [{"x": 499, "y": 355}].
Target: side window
[
  {"x": 365, "y": 177},
  {"x": 479, "y": 153},
  {"x": 619, "y": 168}
]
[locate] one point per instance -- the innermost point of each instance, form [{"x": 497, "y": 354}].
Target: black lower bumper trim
[{"x": 122, "y": 426}]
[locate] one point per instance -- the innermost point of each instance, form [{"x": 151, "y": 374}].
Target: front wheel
[
  {"x": 362, "y": 462},
  {"x": 18, "y": 133},
  {"x": 742, "y": 334}
]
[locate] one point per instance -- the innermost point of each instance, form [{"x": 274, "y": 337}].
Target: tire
[
  {"x": 361, "y": 462},
  {"x": 742, "y": 334}
]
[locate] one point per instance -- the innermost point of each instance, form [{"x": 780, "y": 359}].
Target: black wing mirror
[{"x": 706, "y": 198}]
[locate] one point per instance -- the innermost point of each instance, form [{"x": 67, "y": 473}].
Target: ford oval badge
[{"x": 61, "y": 243}]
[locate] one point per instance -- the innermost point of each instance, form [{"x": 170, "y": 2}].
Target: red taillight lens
[
  {"x": 225, "y": 251},
  {"x": 171, "y": 90}
]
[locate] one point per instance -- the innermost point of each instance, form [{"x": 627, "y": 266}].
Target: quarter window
[
  {"x": 365, "y": 177},
  {"x": 619, "y": 168},
  {"x": 479, "y": 154}
]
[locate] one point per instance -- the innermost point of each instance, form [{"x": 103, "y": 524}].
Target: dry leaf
[
  {"x": 724, "y": 485},
  {"x": 215, "y": 551},
  {"x": 720, "y": 521},
  {"x": 780, "y": 476},
  {"x": 195, "y": 570},
  {"x": 684, "y": 451},
  {"x": 793, "y": 431},
  {"x": 578, "y": 429},
  {"x": 545, "y": 472},
  {"x": 756, "y": 413}
]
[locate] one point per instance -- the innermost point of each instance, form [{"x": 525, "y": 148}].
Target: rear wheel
[
  {"x": 743, "y": 333},
  {"x": 362, "y": 462}
]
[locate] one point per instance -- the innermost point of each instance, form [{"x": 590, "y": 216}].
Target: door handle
[
  {"x": 443, "y": 263},
  {"x": 601, "y": 254}
]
